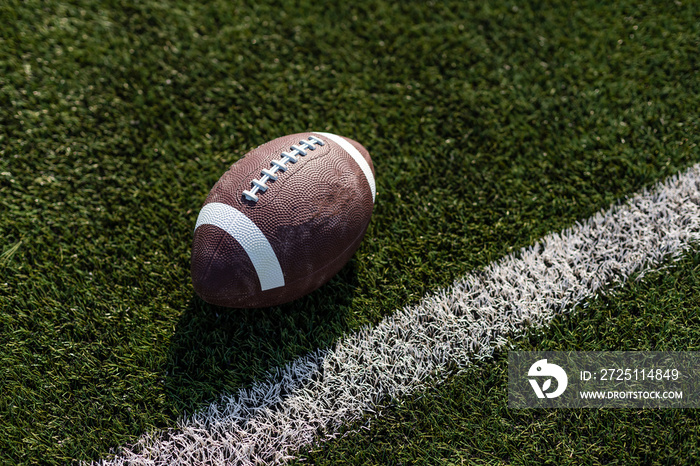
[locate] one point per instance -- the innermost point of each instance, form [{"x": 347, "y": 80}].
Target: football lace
[{"x": 281, "y": 165}]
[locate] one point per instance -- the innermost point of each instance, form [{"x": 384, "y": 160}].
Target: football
[{"x": 283, "y": 220}]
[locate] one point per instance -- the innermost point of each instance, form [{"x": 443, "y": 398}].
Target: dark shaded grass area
[
  {"x": 466, "y": 419},
  {"x": 489, "y": 125}
]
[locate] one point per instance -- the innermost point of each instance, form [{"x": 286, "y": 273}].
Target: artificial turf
[
  {"x": 466, "y": 418},
  {"x": 489, "y": 123}
]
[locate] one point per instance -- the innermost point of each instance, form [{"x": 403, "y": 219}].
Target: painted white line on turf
[{"x": 312, "y": 397}]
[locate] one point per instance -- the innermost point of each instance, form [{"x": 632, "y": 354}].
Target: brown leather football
[{"x": 282, "y": 220}]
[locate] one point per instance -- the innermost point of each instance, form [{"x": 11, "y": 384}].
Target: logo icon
[{"x": 542, "y": 368}]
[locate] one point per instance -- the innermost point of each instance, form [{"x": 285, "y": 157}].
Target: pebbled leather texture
[{"x": 314, "y": 217}]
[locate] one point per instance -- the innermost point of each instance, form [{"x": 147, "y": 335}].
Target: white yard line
[{"x": 313, "y": 397}]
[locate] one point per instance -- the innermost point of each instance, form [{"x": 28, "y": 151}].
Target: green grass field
[
  {"x": 490, "y": 124},
  {"x": 465, "y": 420}
]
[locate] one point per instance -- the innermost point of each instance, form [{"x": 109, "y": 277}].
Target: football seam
[
  {"x": 211, "y": 257},
  {"x": 352, "y": 244},
  {"x": 355, "y": 154},
  {"x": 249, "y": 238}
]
